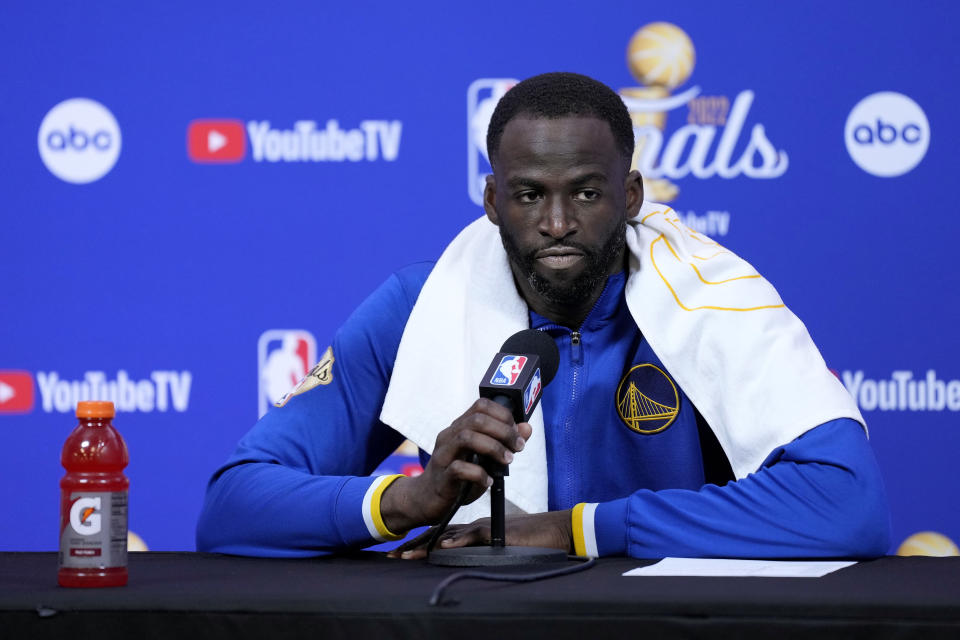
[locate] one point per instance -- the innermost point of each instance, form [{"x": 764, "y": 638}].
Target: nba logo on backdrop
[
  {"x": 284, "y": 357},
  {"x": 482, "y": 97},
  {"x": 508, "y": 370}
]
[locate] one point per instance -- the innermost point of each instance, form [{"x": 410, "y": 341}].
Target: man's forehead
[
  {"x": 528, "y": 127},
  {"x": 570, "y": 143}
]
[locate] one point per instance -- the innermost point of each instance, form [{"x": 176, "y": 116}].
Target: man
[{"x": 691, "y": 415}]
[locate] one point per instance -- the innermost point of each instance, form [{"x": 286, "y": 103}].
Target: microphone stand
[
  {"x": 497, "y": 511},
  {"x": 498, "y": 553},
  {"x": 538, "y": 350}
]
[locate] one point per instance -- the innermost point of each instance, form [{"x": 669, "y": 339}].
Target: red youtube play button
[
  {"x": 16, "y": 391},
  {"x": 216, "y": 141}
]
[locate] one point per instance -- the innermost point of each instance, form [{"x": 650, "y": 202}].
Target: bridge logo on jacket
[
  {"x": 284, "y": 358},
  {"x": 647, "y": 399}
]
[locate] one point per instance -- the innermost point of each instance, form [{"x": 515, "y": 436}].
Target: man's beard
[{"x": 571, "y": 293}]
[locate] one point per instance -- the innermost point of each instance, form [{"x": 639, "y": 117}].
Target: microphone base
[{"x": 495, "y": 556}]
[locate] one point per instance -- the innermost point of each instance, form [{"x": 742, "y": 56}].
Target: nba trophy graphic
[{"x": 661, "y": 57}]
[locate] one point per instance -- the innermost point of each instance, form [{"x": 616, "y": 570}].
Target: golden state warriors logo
[{"x": 647, "y": 399}]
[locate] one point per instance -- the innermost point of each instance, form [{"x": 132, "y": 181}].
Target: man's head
[
  {"x": 558, "y": 94},
  {"x": 561, "y": 191}
]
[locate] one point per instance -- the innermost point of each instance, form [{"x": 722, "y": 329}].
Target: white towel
[{"x": 744, "y": 360}]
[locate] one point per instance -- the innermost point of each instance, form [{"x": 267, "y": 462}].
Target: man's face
[{"x": 561, "y": 196}]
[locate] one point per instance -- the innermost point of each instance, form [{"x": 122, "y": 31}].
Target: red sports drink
[{"x": 93, "y": 501}]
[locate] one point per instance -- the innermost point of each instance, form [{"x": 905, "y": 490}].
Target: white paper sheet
[{"x": 725, "y": 567}]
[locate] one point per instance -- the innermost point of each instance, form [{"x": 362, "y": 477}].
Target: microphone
[{"x": 515, "y": 379}]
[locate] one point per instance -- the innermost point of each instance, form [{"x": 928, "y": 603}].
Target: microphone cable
[
  {"x": 436, "y": 598},
  {"x": 461, "y": 497}
]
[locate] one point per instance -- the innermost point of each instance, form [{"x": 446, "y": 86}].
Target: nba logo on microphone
[
  {"x": 532, "y": 392},
  {"x": 508, "y": 370},
  {"x": 284, "y": 357}
]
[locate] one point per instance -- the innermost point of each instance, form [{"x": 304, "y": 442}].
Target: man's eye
[
  {"x": 528, "y": 197},
  {"x": 587, "y": 195}
]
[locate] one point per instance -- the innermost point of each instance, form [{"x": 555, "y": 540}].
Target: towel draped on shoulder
[{"x": 745, "y": 361}]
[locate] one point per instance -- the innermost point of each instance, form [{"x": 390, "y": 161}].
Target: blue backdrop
[{"x": 196, "y": 195}]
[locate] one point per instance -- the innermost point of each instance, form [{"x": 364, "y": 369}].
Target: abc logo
[
  {"x": 887, "y": 134},
  {"x": 79, "y": 140}
]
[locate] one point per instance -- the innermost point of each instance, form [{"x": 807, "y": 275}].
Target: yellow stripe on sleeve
[
  {"x": 375, "y": 508},
  {"x": 579, "y": 545}
]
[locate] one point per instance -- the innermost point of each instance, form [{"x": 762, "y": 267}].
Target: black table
[{"x": 369, "y": 596}]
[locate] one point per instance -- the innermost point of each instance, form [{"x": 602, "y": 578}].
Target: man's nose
[{"x": 557, "y": 220}]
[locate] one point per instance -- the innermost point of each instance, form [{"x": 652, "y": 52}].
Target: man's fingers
[
  {"x": 525, "y": 430},
  {"x": 502, "y": 431},
  {"x": 469, "y": 536},
  {"x": 454, "y": 536},
  {"x": 467, "y": 441},
  {"x": 480, "y": 433},
  {"x": 420, "y": 541},
  {"x": 494, "y": 410},
  {"x": 487, "y": 430},
  {"x": 516, "y": 436},
  {"x": 466, "y": 471}
]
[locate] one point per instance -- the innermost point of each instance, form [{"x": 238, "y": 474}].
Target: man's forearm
[
  {"x": 823, "y": 498},
  {"x": 264, "y": 509}
]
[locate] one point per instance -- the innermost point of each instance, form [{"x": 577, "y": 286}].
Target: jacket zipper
[
  {"x": 567, "y": 434},
  {"x": 576, "y": 358}
]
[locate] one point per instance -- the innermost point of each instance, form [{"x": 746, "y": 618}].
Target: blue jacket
[{"x": 621, "y": 436}]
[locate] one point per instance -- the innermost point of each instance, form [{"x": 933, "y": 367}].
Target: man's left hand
[{"x": 552, "y": 529}]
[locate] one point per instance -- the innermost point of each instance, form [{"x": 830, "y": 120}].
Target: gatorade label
[{"x": 93, "y": 530}]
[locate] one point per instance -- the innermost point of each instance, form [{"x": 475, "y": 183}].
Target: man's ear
[
  {"x": 490, "y": 200},
  {"x": 634, "y": 192}
]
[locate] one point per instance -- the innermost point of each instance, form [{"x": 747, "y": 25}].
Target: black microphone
[
  {"x": 525, "y": 364},
  {"x": 515, "y": 379}
]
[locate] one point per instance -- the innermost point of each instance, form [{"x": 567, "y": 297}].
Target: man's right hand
[{"x": 487, "y": 429}]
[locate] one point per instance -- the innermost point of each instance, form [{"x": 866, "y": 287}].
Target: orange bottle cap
[{"x": 95, "y": 409}]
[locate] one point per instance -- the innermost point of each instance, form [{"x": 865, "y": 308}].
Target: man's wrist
[
  {"x": 565, "y": 522},
  {"x": 396, "y": 506},
  {"x": 371, "y": 509}
]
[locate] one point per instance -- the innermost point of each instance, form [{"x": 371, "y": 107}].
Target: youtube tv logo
[
  {"x": 16, "y": 391},
  {"x": 216, "y": 141}
]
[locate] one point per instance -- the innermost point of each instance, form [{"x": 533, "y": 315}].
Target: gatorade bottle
[{"x": 93, "y": 502}]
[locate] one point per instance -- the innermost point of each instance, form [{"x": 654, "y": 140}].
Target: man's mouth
[{"x": 559, "y": 257}]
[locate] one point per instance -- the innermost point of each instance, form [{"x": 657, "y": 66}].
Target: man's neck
[
  {"x": 570, "y": 316},
  {"x": 566, "y": 316}
]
